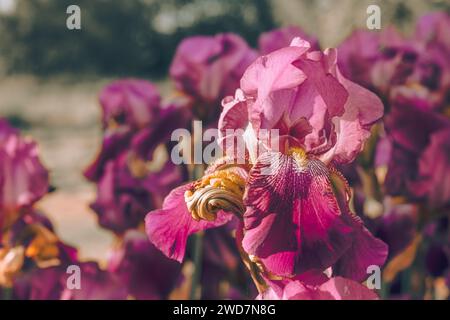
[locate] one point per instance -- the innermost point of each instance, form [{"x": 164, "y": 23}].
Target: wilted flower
[
  {"x": 33, "y": 259},
  {"x": 11, "y": 262},
  {"x": 42, "y": 274},
  {"x": 51, "y": 282}
]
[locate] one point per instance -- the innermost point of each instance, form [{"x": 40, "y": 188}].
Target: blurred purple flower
[
  {"x": 131, "y": 171},
  {"x": 208, "y": 68},
  {"x": 113, "y": 145},
  {"x": 23, "y": 178},
  {"x": 434, "y": 170},
  {"x": 397, "y": 227},
  {"x": 171, "y": 117},
  {"x": 437, "y": 259},
  {"x": 432, "y": 29},
  {"x": 95, "y": 284},
  {"x": 418, "y": 158},
  {"x": 143, "y": 269},
  {"x": 376, "y": 60},
  {"x": 43, "y": 273},
  {"x": 129, "y": 103},
  {"x": 124, "y": 197},
  {"x": 39, "y": 284},
  {"x": 33, "y": 259},
  {"x": 437, "y": 255},
  {"x": 134, "y": 121},
  {"x": 402, "y": 69}
]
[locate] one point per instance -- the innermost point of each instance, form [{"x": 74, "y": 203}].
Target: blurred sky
[{"x": 7, "y": 6}]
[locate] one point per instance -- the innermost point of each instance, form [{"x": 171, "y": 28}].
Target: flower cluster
[
  {"x": 131, "y": 179},
  {"x": 33, "y": 260},
  {"x": 344, "y": 170},
  {"x": 403, "y": 180},
  {"x": 294, "y": 222}
]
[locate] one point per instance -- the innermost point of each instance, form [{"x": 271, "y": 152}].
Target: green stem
[
  {"x": 405, "y": 278},
  {"x": 385, "y": 290},
  {"x": 6, "y": 293},
  {"x": 195, "y": 293}
]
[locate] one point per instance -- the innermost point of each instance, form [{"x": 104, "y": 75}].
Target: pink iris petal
[
  {"x": 269, "y": 74},
  {"x": 337, "y": 288},
  {"x": 365, "y": 251},
  {"x": 327, "y": 85},
  {"x": 302, "y": 94},
  {"x": 274, "y": 71},
  {"x": 344, "y": 289},
  {"x": 232, "y": 124},
  {"x": 234, "y": 115},
  {"x": 362, "y": 110},
  {"x": 169, "y": 228},
  {"x": 293, "y": 221}
]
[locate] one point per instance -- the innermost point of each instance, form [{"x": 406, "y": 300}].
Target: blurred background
[{"x": 50, "y": 76}]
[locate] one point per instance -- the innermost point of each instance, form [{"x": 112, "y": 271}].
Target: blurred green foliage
[{"x": 133, "y": 37}]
